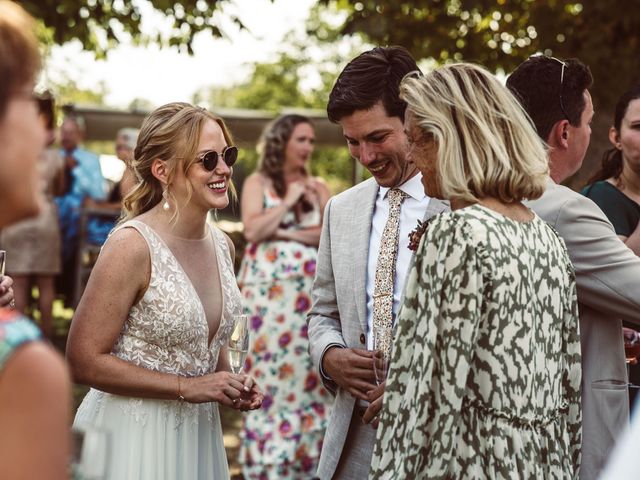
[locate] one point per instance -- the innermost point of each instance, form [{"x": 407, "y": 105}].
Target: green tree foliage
[
  {"x": 277, "y": 86},
  {"x": 99, "y": 24},
  {"x": 66, "y": 91},
  {"x": 500, "y": 34}
]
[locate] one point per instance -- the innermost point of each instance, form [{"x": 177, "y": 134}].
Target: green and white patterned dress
[{"x": 484, "y": 380}]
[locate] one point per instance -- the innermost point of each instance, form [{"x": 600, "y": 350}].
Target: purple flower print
[
  {"x": 256, "y": 322},
  {"x": 284, "y": 339},
  {"x": 310, "y": 267},
  {"x": 302, "y": 303},
  {"x": 285, "y": 426}
]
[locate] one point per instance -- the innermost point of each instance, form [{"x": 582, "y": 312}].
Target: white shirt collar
[{"x": 412, "y": 187}]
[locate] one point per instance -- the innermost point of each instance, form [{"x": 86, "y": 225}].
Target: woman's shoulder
[
  {"x": 129, "y": 242},
  {"x": 15, "y": 330},
  {"x": 257, "y": 179},
  {"x": 601, "y": 190},
  {"x": 464, "y": 220},
  {"x": 318, "y": 183},
  {"x": 473, "y": 225},
  {"x": 451, "y": 227}
]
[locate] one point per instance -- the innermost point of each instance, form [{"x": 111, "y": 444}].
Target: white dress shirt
[{"x": 412, "y": 209}]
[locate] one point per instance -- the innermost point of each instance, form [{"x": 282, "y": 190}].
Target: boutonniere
[{"x": 416, "y": 235}]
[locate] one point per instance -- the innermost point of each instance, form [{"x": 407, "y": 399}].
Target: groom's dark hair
[{"x": 371, "y": 77}]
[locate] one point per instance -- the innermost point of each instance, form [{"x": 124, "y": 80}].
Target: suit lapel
[{"x": 362, "y": 214}]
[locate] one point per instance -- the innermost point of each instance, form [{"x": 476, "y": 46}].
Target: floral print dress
[
  {"x": 283, "y": 439},
  {"x": 484, "y": 380},
  {"x": 15, "y": 331}
]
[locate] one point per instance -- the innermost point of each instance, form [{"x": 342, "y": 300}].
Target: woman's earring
[{"x": 165, "y": 195}]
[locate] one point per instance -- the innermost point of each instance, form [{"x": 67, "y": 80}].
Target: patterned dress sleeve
[
  {"x": 434, "y": 342},
  {"x": 573, "y": 371}
]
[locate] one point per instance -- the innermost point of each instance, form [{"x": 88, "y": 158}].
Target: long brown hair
[
  {"x": 170, "y": 133},
  {"x": 611, "y": 166},
  {"x": 272, "y": 146}
]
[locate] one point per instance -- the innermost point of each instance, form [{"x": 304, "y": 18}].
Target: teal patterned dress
[
  {"x": 15, "y": 330},
  {"x": 283, "y": 439},
  {"x": 484, "y": 380}
]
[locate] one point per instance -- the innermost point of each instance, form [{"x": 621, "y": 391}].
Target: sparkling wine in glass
[
  {"x": 238, "y": 344},
  {"x": 381, "y": 356}
]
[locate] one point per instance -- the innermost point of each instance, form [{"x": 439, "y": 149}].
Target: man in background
[{"x": 556, "y": 96}]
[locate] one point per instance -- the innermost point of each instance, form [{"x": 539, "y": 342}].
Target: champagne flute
[
  {"x": 238, "y": 344},
  {"x": 381, "y": 356}
]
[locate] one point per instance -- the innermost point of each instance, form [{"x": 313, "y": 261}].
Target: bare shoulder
[
  {"x": 256, "y": 179},
  {"x": 36, "y": 368},
  {"x": 320, "y": 184},
  {"x": 126, "y": 245},
  {"x": 124, "y": 260}
]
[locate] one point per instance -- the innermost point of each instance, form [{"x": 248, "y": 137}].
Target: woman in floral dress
[
  {"x": 282, "y": 213},
  {"x": 484, "y": 380}
]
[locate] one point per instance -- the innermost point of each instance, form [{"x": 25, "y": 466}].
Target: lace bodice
[{"x": 167, "y": 330}]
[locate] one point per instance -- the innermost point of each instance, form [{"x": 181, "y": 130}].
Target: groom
[{"x": 363, "y": 257}]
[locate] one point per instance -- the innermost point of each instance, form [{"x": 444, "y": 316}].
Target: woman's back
[{"x": 488, "y": 340}]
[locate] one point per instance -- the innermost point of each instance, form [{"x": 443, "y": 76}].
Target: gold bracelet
[{"x": 180, "y": 396}]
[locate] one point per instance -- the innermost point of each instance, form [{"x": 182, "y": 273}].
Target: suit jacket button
[{"x": 363, "y": 339}]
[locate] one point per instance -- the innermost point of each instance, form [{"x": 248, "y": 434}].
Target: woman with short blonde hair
[
  {"x": 485, "y": 370},
  {"x": 487, "y": 146}
]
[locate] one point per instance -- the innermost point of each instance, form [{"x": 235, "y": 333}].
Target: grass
[{"x": 231, "y": 420}]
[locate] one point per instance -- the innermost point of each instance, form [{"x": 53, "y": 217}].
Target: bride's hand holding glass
[
  {"x": 251, "y": 397},
  {"x": 237, "y": 349}
]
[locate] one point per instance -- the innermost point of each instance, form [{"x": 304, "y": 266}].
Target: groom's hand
[
  {"x": 351, "y": 369},
  {"x": 375, "y": 398}
]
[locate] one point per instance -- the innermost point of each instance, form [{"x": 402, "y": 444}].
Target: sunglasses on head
[
  {"x": 563, "y": 66},
  {"x": 210, "y": 159}
]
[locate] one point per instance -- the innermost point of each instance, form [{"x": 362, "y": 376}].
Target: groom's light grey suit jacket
[
  {"x": 608, "y": 281},
  {"x": 339, "y": 313}
]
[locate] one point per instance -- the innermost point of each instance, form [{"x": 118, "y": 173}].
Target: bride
[{"x": 150, "y": 331}]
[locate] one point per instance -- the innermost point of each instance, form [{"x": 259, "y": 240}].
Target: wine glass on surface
[
  {"x": 381, "y": 356},
  {"x": 90, "y": 454},
  {"x": 238, "y": 344}
]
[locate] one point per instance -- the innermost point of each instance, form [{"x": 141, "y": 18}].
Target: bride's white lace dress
[{"x": 167, "y": 332}]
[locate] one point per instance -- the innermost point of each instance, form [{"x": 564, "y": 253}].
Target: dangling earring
[{"x": 165, "y": 195}]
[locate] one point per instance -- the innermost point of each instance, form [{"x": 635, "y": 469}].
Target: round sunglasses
[{"x": 209, "y": 159}]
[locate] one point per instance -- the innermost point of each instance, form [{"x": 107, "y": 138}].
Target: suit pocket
[
  {"x": 605, "y": 414},
  {"x": 609, "y": 385}
]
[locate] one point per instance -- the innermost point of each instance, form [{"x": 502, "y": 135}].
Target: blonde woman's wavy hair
[
  {"x": 170, "y": 133},
  {"x": 487, "y": 145}
]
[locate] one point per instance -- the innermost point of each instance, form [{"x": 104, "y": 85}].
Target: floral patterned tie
[{"x": 385, "y": 273}]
